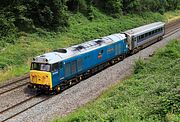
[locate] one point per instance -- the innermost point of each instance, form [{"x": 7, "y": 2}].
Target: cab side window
[
  {"x": 54, "y": 67},
  {"x": 61, "y": 65}
]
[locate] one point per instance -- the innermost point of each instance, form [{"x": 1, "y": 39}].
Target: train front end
[
  {"x": 44, "y": 72},
  {"x": 40, "y": 76}
]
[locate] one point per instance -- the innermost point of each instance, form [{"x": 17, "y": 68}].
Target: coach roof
[{"x": 144, "y": 29}]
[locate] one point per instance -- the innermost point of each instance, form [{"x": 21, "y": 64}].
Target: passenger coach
[{"x": 143, "y": 36}]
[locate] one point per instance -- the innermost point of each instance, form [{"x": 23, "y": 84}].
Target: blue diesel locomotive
[{"x": 56, "y": 70}]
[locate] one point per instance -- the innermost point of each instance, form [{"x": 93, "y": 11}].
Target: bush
[
  {"x": 49, "y": 14},
  {"x": 111, "y": 7},
  {"x": 140, "y": 65},
  {"x": 7, "y": 26}
]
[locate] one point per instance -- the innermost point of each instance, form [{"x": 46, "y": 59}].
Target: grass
[
  {"x": 150, "y": 95},
  {"x": 171, "y": 15},
  {"x": 15, "y": 58}
]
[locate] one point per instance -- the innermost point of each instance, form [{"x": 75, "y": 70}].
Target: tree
[{"x": 112, "y": 7}]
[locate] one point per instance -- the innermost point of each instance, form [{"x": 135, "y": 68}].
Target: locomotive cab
[
  {"x": 44, "y": 74},
  {"x": 40, "y": 76}
]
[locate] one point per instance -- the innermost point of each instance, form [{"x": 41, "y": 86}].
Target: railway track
[
  {"x": 37, "y": 97},
  {"x": 172, "y": 26},
  {"x": 14, "y": 85},
  {"x": 171, "y": 32},
  {"x": 171, "y": 29}
]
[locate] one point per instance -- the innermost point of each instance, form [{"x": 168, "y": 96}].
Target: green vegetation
[
  {"x": 30, "y": 28},
  {"x": 170, "y": 15},
  {"x": 150, "y": 95},
  {"x": 52, "y": 15}
]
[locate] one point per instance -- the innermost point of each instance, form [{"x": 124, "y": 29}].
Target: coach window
[
  {"x": 146, "y": 34},
  {"x": 54, "y": 67},
  {"x": 139, "y": 37},
  {"x": 149, "y": 33},
  {"x": 156, "y": 30},
  {"x": 142, "y": 36}
]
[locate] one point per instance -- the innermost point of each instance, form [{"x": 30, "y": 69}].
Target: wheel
[
  {"x": 58, "y": 89},
  {"x": 112, "y": 62},
  {"x": 80, "y": 78}
]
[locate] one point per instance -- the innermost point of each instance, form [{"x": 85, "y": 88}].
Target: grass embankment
[
  {"x": 171, "y": 15},
  {"x": 15, "y": 58},
  {"x": 150, "y": 95}
]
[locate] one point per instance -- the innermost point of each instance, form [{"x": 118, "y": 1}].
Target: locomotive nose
[
  {"x": 40, "y": 78},
  {"x": 35, "y": 78}
]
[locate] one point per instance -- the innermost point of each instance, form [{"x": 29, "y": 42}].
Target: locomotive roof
[
  {"x": 143, "y": 29},
  {"x": 62, "y": 54}
]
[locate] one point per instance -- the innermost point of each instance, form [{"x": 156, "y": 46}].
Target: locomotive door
[
  {"x": 55, "y": 74},
  {"x": 61, "y": 71}
]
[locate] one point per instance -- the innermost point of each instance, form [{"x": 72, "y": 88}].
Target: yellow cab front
[{"x": 40, "y": 76}]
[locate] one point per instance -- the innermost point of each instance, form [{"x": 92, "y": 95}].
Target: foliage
[
  {"x": 53, "y": 14},
  {"x": 150, "y": 95},
  {"x": 7, "y": 30},
  {"x": 138, "y": 6},
  {"x": 49, "y": 14},
  {"x": 112, "y": 7},
  {"x": 140, "y": 65},
  {"x": 77, "y": 5}
]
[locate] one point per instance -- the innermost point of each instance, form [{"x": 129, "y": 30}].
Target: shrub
[
  {"x": 7, "y": 26},
  {"x": 140, "y": 65}
]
